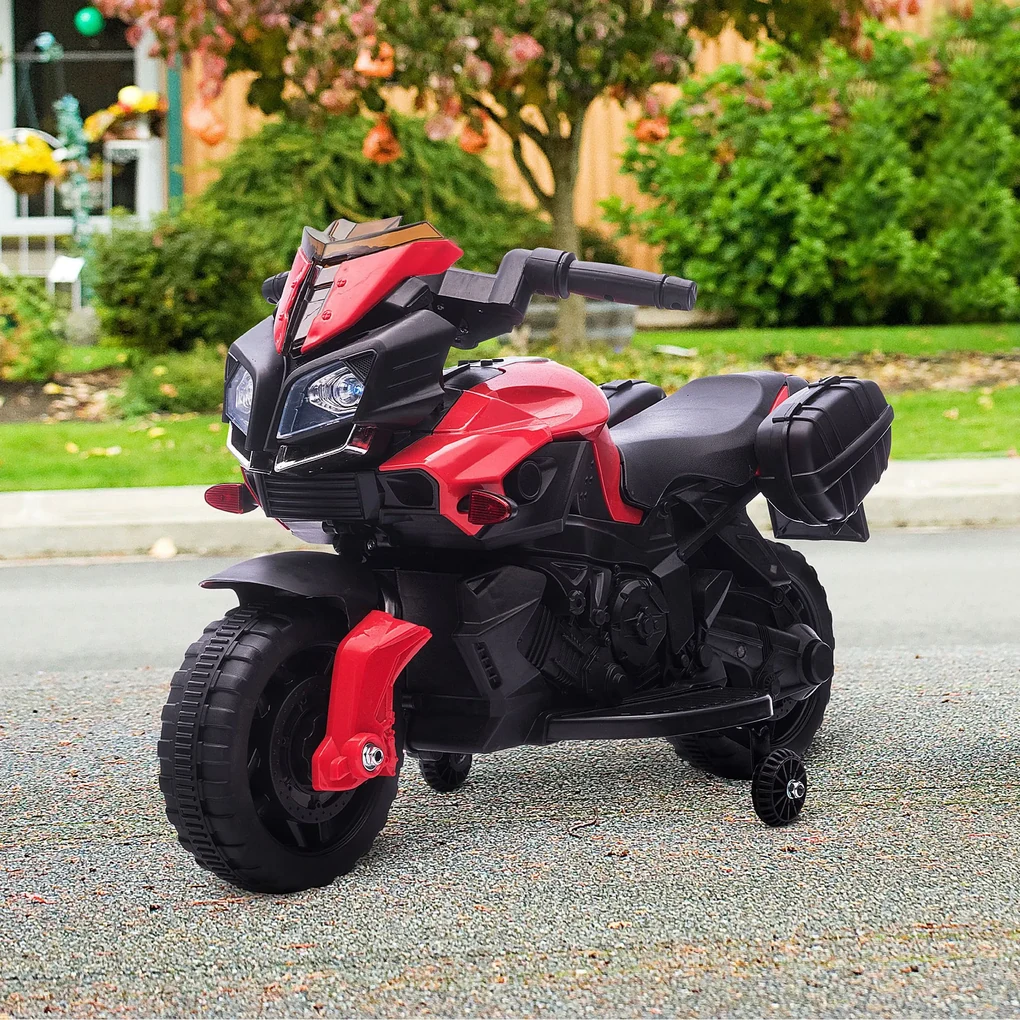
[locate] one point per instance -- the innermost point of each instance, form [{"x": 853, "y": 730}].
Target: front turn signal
[
  {"x": 487, "y": 507},
  {"x": 231, "y": 497}
]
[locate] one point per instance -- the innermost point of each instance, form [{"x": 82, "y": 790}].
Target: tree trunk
[{"x": 564, "y": 158}]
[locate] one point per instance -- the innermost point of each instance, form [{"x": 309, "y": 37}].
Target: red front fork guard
[{"x": 360, "y": 742}]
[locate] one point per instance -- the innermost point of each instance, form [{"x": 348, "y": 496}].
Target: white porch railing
[{"x": 29, "y": 240}]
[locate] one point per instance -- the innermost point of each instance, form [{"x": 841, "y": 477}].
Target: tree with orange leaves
[{"x": 531, "y": 68}]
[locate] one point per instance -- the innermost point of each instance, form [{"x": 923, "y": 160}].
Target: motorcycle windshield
[{"x": 346, "y": 240}]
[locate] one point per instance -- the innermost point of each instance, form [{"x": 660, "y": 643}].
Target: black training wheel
[
  {"x": 446, "y": 772},
  {"x": 779, "y": 788}
]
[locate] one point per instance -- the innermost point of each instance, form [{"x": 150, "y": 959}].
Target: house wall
[{"x": 605, "y": 134}]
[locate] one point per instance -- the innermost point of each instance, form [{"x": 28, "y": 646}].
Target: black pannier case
[{"x": 821, "y": 451}]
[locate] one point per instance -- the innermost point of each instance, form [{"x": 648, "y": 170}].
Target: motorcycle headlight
[
  {"x": 237, "y": 398},
  {"x": 320, "y": 400}
]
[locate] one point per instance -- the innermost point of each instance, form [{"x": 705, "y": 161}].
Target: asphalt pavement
[{"x": 586, "y": 879}]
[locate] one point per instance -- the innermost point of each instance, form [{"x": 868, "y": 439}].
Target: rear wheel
[
  {"x": 246, "y": 712},
  {"x": 727, "y": 753}
]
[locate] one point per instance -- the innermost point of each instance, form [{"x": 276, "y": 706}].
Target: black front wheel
[{"x": 246, "y": 711}]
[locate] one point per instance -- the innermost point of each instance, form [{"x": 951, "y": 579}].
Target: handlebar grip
[
  {"x": 272, "y": 289},
  {"x": 602, "y": 282}
]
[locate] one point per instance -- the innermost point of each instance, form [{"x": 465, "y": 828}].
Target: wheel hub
[{"x": 298, "y": 729}]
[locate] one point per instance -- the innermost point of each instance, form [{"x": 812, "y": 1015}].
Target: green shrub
[
  {"x": 177, "y": 382},
  {"x": 189, "y": 279},
  {"x": 290, "y": 175},
  {"x": 31, "y": 330},
  {"x": 851, "y": 191}
]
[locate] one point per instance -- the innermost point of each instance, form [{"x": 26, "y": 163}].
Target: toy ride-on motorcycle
[{"x": 522, "y": 557}]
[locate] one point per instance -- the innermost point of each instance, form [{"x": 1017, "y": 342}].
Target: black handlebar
[
  {"x": 272, "y": 289},
  {"x": 602, "y": 282},
  {"x": 559, "y": 274},
  {"x": 552, "y": 273}
]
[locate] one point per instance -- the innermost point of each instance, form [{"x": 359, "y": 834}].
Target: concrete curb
[{"x": 100, "y": 522}]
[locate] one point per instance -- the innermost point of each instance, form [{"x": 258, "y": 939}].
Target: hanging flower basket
[
  {"x": 134, "y": 127},
  {"x": 136, "y": 115},
  {"x": 26, "y": 161},
  {"x": 27, "y": 183}
]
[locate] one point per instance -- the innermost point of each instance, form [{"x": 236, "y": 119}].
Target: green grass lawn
[
  {"x": 81, "y": 455},
  {"x": 945, "y": 423},
  {"x": 189, "y": 450},
  {"x": 754, "y": 344}
]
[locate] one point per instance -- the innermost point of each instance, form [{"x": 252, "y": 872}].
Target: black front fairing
[{"x": 401, "y": 365}]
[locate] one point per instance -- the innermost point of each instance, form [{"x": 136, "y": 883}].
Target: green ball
[{"x": 89, "y": 21}]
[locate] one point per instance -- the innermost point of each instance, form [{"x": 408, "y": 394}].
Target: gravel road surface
[{"x": 578, "y": 880}]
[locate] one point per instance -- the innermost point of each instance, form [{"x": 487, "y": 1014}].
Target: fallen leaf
[
  {"x": 952, "y": 413},
  {"x": 163, "y": 548},
  {"x": 155, "y": 432},
  {"x": 71, "y": 447}
]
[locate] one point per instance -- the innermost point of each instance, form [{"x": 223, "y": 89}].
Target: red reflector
[
  {"x": 488, "y": 508},
  {"x": 361, "y": 438},
  {"x": 230, "y": 497}
]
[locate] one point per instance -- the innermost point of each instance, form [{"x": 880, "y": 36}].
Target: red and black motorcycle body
[{"x": 524, "y": 556}]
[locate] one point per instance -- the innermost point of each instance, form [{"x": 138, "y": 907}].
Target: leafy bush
[
  {"x": 189, "y": 279},
  {"x": 177, "y": 382},
  {"x": 852, "y": 191},
  {"x": 31, "y": 330},
  {"x": 290, "y": 175}
]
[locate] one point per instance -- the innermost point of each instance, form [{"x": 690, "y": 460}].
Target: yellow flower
[
  {"x": 31, "y": 156},
  {"x": 148, "y": 102},
  {"x": 98, "y": 123}
]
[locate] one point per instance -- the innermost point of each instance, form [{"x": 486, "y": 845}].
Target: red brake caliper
[{"x": 360, "y": 742}]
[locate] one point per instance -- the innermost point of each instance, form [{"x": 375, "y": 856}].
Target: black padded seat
[
  {"x": 628, "y": 397},
  {"x": 704, "y": 430}
]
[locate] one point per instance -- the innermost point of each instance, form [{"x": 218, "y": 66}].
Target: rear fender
[{"x": 303, "y": 574}]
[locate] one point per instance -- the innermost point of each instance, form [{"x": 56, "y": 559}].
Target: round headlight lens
[
  {"x": 336, "y": 392},
  {"x": 238, "y": 398},
  {"x": 245, "y": 392}
]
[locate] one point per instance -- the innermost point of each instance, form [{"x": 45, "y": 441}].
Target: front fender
[{"x": 303, "y": 574}]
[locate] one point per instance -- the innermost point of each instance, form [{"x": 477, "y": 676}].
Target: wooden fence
[{"x": 605, "y": 134}]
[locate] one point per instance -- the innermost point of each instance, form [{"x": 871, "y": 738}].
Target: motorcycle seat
[
  {"x": 629, "y": 396},
  {"x": 704, "y": 431}
]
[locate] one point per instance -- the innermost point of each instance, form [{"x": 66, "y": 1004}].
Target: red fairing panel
[
  {"x": 478, "y": 441},
  {"x": 607, "y": 463},
  {"x": 783, "y": 394},
  {"x": 570, "y": 405},
  {"x": 363, "y": 282},
  {"x": 366, "y": 667},
  {"x": 499, "y": 423},
  {"x": 298, "y": 271}
]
